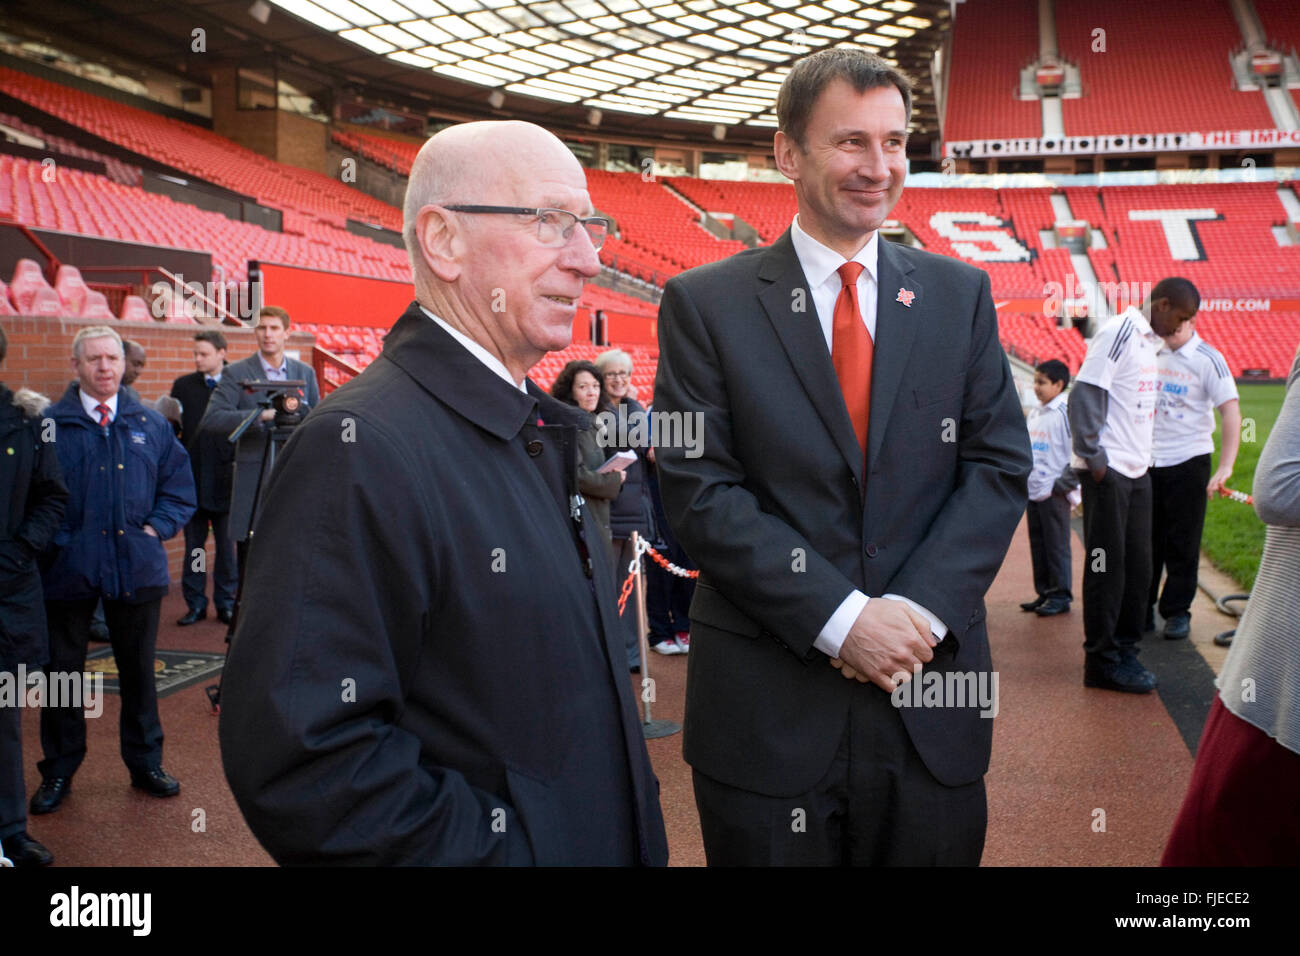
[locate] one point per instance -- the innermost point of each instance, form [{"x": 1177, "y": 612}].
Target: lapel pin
[{"x": 905, "y": 297}]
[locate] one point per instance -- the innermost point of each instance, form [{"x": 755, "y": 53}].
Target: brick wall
[
  {"x": 40, "y": 353},
  {"x": 301, "y": 142}
]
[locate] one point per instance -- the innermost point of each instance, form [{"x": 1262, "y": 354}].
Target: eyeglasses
[
  {"x": 618, "y": 374},
  {"x": 554, "y": 226}
]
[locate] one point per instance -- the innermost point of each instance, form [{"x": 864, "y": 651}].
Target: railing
[{"x": 331, "y": 371}]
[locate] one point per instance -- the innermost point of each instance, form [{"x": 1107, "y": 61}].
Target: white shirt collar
[
  {"x": 1188, "y": 347},
  {"x": 269, "y": 369},
  {"x": 1057, "y": 400},
  {"x": 494, "y": 364},
  {"x": 89, "y": 404},
  {"x": 1140, "y": 320},
  {"x": 820, "y": 262}
]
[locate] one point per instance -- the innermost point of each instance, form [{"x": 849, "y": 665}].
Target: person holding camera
[{"x": 231, "y": 403}]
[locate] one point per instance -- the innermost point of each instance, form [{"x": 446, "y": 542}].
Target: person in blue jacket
[{"x": 130, "y": 489}]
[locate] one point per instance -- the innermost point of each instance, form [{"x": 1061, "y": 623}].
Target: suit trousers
[
  {"x": 1177, "y": 516},
  {"x": 225, "y": 577},
  {"x": 1049, "y": 545},
  {"x": 877, "y": 805},
  {"x": 133, "y": 630},
  {"x": 1117, "y": 563},
  {"x": 13, "y": 794}
]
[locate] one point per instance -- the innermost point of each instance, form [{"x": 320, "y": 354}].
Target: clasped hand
[{"x": 887, "y": 640}]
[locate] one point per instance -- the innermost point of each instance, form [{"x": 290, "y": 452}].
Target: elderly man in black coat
[
  {"x": 427, "y": 666},
  {"x": 32, "y": 500}
]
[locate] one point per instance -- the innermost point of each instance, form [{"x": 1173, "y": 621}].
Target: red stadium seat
[
  {"x": 45, "y": 301},
  {"x": 135, "y": 309},
  {"x": 95, "y": 306},
  {"x": 72, "y": 289}
]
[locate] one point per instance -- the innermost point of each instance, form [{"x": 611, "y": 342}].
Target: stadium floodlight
[
  {"x": 593, "y": 116},
  {"x": 496, "y": 99},
  {"x": 719, "y": 132}
]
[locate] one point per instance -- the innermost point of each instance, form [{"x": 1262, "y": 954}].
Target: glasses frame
[{"x": 565, "y": 234}]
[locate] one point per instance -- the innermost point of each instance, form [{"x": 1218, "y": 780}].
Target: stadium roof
[{"x": 633, "y": 67}]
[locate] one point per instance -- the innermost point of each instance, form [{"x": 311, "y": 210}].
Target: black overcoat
[
  {"x": 34, "y": 497},
  {"x": 425, "y": 670}
]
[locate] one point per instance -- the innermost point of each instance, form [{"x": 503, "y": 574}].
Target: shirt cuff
[
  {"x": 937, "y": 627},
  {"x": 832, "y": 636}
]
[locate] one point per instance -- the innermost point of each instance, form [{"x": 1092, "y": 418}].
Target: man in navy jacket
[{"x": 130, "y": 488}]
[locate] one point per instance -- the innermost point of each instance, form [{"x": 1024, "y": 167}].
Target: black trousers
[
  {"x": 1049, "y": 545},
  {"x": 1117, "y": 563},
  {"x": 133, "y": 630},
  {"x": 225, "y": 577},
  {"x": 1177, "y": 517},
  {"x": 877, "y": 806},
  {"x": 13, "y": 794}
]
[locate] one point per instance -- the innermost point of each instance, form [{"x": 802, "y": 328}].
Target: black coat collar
[{"x": 443, "y": 367}]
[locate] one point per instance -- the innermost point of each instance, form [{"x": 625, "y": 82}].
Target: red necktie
[
  {"x": 852, "y": 350},
  {"x": 103, "y": 415}
]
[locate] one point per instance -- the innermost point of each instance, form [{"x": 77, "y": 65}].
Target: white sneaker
[
  {"x": 684, "y": 642},
  {"x": 669, "y": 647}
]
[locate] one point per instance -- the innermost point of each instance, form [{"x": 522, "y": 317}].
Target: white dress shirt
[
  {"x": 89, "y": 405},
  {"x": 820, "y": 265},
  {"x": 479, "y": 352},
  {"x": 275, "y": 374}
]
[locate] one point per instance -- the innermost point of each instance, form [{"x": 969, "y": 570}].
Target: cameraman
[{"x": 230, "y": 404}]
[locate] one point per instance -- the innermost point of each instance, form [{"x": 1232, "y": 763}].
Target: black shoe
[
  {"x": 1128, "y": 676},
  {"x": 1053, "y": 606},
  {"x": 156, "y": 782},
  {"x": 225, "y": 616},
  {"x": 1178, "y": 627},
  {"x": 1149, "y": 624},
  {"x": 22, "y": 850},
  {"x": 50, "y": 795},
  {"x": 192, "y": 616},
  {"x": 1033, "y": 605},
  {"x": 99, "y": 633}
]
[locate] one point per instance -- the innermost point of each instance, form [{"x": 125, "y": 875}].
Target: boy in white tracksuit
[{"x": 1053, "y": 490}]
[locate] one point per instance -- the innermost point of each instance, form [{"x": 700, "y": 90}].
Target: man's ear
[
  {"x": 784, "y": 149},
  {"x": 439, "y": 241}
]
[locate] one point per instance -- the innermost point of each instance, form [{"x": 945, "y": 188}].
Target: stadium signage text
[{"x": 1129, "y": 143}]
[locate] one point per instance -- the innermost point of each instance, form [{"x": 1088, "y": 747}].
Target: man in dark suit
[
  {"x": 211, "y": 458},
  {"x": 862, "y": 471},
  {"x": 231, "y": 403},
  {"x": 428, "y": 666}
]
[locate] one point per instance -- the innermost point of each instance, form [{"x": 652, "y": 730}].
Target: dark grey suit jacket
[
  {"x": 783, "y": 522},
  {"x": 228, "y": 407}
]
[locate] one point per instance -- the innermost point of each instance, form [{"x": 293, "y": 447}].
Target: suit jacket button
[
  {"x": 534, "y": 448},
  {"x": 871, "y": 550}
]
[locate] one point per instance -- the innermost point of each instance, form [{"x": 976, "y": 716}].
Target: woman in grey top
[{"x": 1243, "y": 803}]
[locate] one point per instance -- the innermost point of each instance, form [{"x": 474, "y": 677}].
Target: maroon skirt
[{"x": 1243, "y": 803}]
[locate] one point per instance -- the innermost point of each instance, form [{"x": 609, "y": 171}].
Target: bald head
[
  {"x": 509, "y": 280},
  {"x": 489, "y": 163}
]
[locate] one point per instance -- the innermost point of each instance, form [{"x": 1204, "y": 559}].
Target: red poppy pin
[{"x": 905, "y": 296}]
